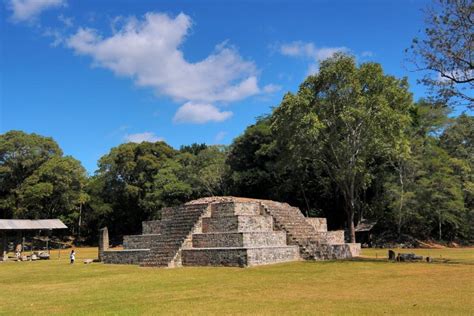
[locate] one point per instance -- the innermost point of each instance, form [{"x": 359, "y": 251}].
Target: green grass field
[{"x": 368, "y": 286}]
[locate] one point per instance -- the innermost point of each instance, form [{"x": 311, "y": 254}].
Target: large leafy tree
[
  {"x": 446, "y": 51},
  {"x": 21, "y": 154},
  {"x": 458, "y": 140},
  {"x": 438, "y": 194},
  {"x": 37, "y": 181},
  {"x": 126, "y": 175},
  {"x": 342, "y": 119},
  {"x": 252, "y": 161},
  {"x": 54, "y": 190},
  {"x": 428, "y": 119}
]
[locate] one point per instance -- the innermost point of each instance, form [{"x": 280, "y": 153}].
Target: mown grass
[{"x": 344, "y": 287}]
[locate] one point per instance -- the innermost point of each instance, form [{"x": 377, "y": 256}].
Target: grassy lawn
[{"x": 345, "y": 287}]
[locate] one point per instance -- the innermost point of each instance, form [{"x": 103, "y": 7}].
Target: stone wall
[
  {"x": 140, "y": 241},
  {"x": 319, "y": 223},
  {"x": 335, "y": 237},
  {"x": 233, "y": 209},
  {"x": 239, "y": 239},
  {"x": 151, "y": 227},
  {"x": 132, "y": 256},
  {"x": 259, "y": 256},
  {"x": 354, "y": 249},
  {"x": 248, "y": 223},
  {"x": 239, "y": 257}
]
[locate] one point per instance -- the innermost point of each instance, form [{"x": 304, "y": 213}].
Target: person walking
[{"x": 72, "y": 256}]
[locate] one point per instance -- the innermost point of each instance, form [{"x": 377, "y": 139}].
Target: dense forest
[{"x": 350, "y": 144}]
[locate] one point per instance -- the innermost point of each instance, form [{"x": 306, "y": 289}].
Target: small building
[
  {"x": 363, "y": 232},
  {"x": 18, "y": 227}
]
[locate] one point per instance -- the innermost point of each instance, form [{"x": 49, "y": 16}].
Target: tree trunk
[
  {"x": 400, "y": 209},
  {"x": 350, "y": 218},
  {"x": 350, "y": 223},
  {"x": 80, "y": 221},
  {"x": 440, "y": 233}
]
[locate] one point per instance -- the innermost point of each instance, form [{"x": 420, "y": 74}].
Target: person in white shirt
[{"x": 72, "y": 256}]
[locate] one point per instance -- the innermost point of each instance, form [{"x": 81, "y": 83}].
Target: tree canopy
[
  {"x": 445, "y": 52},
  {"x": 342, "y": 119}
]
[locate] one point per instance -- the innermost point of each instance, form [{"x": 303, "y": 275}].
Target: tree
[
  {"x": 427, "y": 119},
  {"x": 458, "y": 140},
  {"x": 252, "y": 158},
  {"x": 446, "y": 52},
  {"x": 126, "y": 175},
  {"x": 21, "y": 154},
  {"x": 209, "y": 170},
  {"x": 439, "y": 194},
  {"x": 54, "y": 190},
  {"x": 170, "y": 185},
  {"x": 135, "y": 181},
  {"x": 341, "y": 119},
  {"x": 194, "y": 148}
]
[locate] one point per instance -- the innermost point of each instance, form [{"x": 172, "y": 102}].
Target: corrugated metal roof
[
  {"x": 24, "y": 224},
  {"x": 365, "y": 226}
]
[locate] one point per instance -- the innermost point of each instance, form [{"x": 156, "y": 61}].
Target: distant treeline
[{"x": 349, "y": 145}]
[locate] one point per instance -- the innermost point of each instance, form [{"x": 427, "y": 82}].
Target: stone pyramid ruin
[{"x": 230, "y": 231}]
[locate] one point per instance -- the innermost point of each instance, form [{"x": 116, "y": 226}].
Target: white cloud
[
  {"x": 55, "y": 34},
  {"x": 142, "y": 137},
  {"x": 200, "y": 113},
  {"x": 27, "y": 10},
  {"x": 271, "y": 88},
  {"x": 310, "y": 51},
  {"x": 149, "y": 51},
  {"x": 67, "y": 21}
]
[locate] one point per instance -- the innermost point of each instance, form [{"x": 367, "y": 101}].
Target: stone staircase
[
  {"x": 175, "y": 227},
  {"x": 231, "y": 231},
  {"x": 238, "y": 234},
  {"x": 313, "y": 244},
  {"x": 314, "y": 241},
  {"x": 299, "y": 231}
]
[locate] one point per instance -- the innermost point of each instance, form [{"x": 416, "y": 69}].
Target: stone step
[
  {"x": 151, "y": 227},
  {"x": 256, "y": 223},
  {"x": 140, "y": 241},
  {"x": 240, "y": 239},
  {"x": 239, "y": 257},
  {"x": 134, "y": 256},
  {"x": 231, "y": 209},
  {"x": 176, "y": 225}
]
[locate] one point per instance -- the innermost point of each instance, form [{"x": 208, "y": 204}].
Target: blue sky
[{"x": 94, "y": 74}]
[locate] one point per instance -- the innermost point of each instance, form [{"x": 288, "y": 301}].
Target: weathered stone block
[
  {"x": 239, "y": 257},
  {"x": 140, "y": 241},
  {"x": 247, "y": 239},
  {"x": 335, "y": 237},
  {"x": 151, "y": 227},
  {"x": 260, "y": 256},
  {"x": 242, "y": 223},
  {"x": 133, "y": 256},
  {"x": 231, "y": 209},
  {"x": 319, "y": 223}
]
